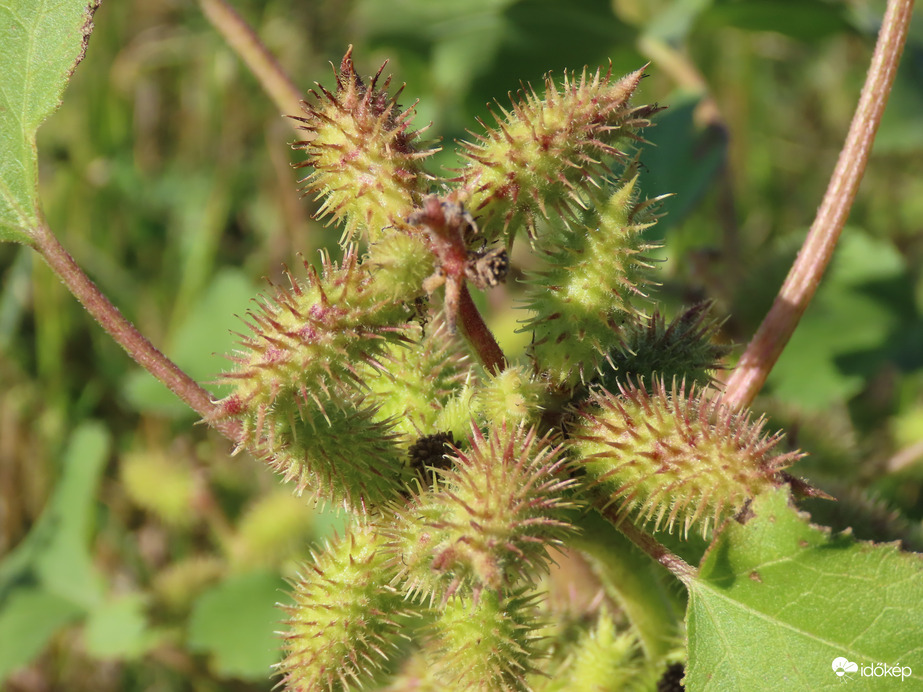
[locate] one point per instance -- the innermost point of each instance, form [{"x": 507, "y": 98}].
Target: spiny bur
[
  {"x": 306, "y": 339},
  {"x": 686, "y": 348},
  {"x": 339, "y": 452},
  {"x": 422, "y": 376},
  {"x": 513, "y": 397},
  {"x": 400, "y": 263},
  {"x": 347, "y": 621},
  {"x": 491, "y": 520},
  {"x": 547, "y": 151},
  {"x": 674, "y": 457},
  {"x": 594, "y": 273},
  {"x": 485, "y": 643},
  {"x": 358, "y": 129},
  {"x": 603, "y": 659},
  {"x": 297, "y": 384}
]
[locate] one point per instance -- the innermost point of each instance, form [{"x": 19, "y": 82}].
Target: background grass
[{"x": 167, "y": 174}]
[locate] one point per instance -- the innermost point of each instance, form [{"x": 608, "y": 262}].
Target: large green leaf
[
  {"x": 29, "y": 617},
  {"x": 41, "y": 44},
  {"x": 777, "y": 601}
]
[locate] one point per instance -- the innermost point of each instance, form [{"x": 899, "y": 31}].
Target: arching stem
[
  {"x": 126, "y": 334},
  {"x": 801, "y": 283}
]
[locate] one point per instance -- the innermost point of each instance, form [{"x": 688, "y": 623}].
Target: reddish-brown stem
[
  {"x": 445, "y": 224},
  {"x": 478, "y": 335},
  {"x": 263, "y": 64},
  {"x": 125, "y": 333},
  {"x": 802, "y": 281},
  {"x": 680, "y": 569}
]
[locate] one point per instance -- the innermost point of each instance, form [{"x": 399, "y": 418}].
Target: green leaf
[
  {"x": 40, "y": 45},
  {"x": 847, "y": 318},
  {"x": 49, "y": 579},
  {"x": 777, "y": 600},
  {"x": 682, "y": 160},
  {"x": 236, "y": 621},
  {"x": 206, "y": 331},
  {"x": 29, "y": 617},
  {"x": 118, "y": 629},
  {"x": 806, "y": 20},
  {"x": 55, "y": 552}
]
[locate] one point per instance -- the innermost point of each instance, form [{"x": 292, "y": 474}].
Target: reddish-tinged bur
[
  {"x": 297, "y": 385},
  {"x": 492, "y": 519},
  {"x": 547, "y": 152},
  {"x": 367, "y": 161},
  {"x": 674, "y": 458},
  {"x": 465, "y": 479},
  {"x": 305, "y": 340}
]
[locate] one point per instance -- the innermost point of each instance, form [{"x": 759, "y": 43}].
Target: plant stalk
[
  {"x": 801, "y": 283},
  {"x": 126, "y": 334},
  {"x": 680, "y": 569},
  {"x": 263, "y": 64},
  {"x": 478, "y": 335},
  {"x": 632, "y": 579}
]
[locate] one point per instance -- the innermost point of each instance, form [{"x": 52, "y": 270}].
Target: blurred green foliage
[{"x": 167, "y": 174}]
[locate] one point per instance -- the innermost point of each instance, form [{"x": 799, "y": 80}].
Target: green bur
[
  {"x": 594, "y": 271},
  {"x": 298, "y": 388}
]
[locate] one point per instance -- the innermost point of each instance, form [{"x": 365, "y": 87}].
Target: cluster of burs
[{"x": 372, "y": 384}]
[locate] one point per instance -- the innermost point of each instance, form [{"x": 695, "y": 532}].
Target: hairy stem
[
  {"x": 264, "y": 66},
  {"x": 803, "y": 278},
  {"x": 680, "y": 569},
  {"x": 478, "y": 335},
  {"x": 125, "y": 333}
]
